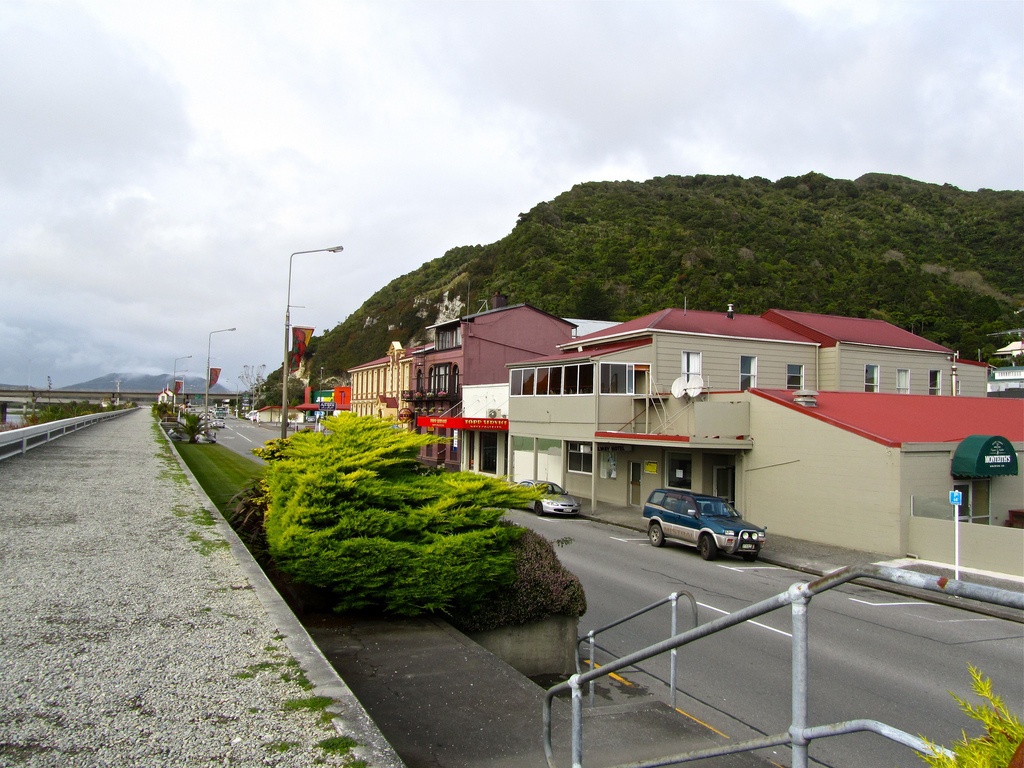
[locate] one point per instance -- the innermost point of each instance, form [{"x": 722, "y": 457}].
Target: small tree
[
  {"x": 353, "y": 511},
  {"x": 193, "y": 426}
]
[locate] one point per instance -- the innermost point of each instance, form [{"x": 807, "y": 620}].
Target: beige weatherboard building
[{"x": 813, "y": 424}]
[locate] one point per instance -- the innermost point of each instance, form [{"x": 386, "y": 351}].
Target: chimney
[
  {"x": 728, "y": 312},
  {"x": 498, "y": 301}
]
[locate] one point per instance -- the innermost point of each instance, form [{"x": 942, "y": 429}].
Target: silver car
[{"x": 556, "y": 501}]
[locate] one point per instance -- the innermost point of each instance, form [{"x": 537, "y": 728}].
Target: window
[
  {"x": 581, "y": 458},
  {"x": 691, "y": 364},
  {"x": 794, "y": 376},
  {"x": 448, "y": 339},
  {"x": 934, "y": 382},
  {"x": 553, "y": 380},
  {"x": 748, "y": 372},
  {"x": 902, "y": 381},
  {"x": 542, "y": 381},
  {"x": 578, "y": 379},
  {"x": 680, "y": 470},
  {"x": 616, "y": 378},
  {"x": 439, "y": 377},
  {"x": 870, "y": 378},
  {"x": 522, "y": 381}
]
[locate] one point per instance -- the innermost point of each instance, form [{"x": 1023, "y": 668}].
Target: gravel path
[{"x": 134, "y": 631}]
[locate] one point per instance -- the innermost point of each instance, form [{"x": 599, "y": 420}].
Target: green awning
[{"x": 984, "y": 456}]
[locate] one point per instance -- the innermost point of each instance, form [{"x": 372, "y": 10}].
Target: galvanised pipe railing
[
  {"x": 799, "y": 734},
  {"x": 672, "y": 600}
]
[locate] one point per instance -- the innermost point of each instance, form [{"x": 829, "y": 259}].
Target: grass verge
[{"x": 221, "y": 472}]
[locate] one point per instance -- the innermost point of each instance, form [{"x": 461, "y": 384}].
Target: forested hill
[{"x": 944, "y": 263}]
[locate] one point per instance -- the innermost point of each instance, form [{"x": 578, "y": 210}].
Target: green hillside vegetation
[{"x": 941, "y": 262}]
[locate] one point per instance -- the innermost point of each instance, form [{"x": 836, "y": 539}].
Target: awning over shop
[{"x": 984, "y": 456}]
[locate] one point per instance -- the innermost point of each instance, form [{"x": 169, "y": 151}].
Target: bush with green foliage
[
  {"x": 351, "y": 510},
  {"x": 1003, "y": 741}
]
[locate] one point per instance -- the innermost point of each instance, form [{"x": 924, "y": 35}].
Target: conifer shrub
[
  {"x": 352, "y": 511},
  {"x": 542, "y": 587},
  {"x": 1003, "y": 741}
]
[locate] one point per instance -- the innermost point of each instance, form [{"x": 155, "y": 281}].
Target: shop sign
[{"x": 462, "y": 422}]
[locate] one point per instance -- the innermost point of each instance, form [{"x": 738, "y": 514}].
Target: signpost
[{"x": 956, "y": 498}]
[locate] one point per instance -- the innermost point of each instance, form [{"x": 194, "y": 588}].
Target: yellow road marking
[{"x": 701, "y": 722}]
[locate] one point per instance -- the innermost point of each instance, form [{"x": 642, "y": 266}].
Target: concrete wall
[
  {"x": 982, "y": 547},
  {"x": 545, "y": 647}
]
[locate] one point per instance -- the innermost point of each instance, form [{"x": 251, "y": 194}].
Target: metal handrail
[
  {"x": 17, "y": 442},
  {"x": 672, "y": 599},
  {"x": 799, "y": 734}
]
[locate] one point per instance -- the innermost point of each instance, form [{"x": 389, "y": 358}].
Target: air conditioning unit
[{"x": 493, "y": 413}]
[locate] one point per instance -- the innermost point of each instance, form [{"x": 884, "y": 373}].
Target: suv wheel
[
  {"x": 708, "y": 548},
  {"x": 656, "y": 535}
]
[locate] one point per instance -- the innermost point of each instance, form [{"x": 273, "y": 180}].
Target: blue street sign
[{"x": 956, "y": 498}]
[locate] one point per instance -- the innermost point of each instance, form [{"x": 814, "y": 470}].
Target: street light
[
  {"x": 287, "y": 331},
  {"x": 174, "y": 381},
  {"x": 209, "y": 344}
]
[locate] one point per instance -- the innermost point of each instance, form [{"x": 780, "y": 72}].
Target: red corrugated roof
[
  {"x": 829, "y": 330},
  {"x": 698, "y": 322},
  {"x": 898, "y": 419}
]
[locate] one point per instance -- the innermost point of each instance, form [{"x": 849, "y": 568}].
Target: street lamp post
[
  {"x": 287, "y": 331},
  {"x": 209, "y": 345},
  {"x": 174, "y": 382}
]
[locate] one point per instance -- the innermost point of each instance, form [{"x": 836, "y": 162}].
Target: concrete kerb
[{"x": 351, "y": 719}]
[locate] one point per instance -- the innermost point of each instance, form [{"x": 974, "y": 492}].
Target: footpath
[{"x": 138, "y": 631}]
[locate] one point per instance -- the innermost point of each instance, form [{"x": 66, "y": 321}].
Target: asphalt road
[
  {"x": 872, "y": 655},
  {"x": 241, "y": 436}
]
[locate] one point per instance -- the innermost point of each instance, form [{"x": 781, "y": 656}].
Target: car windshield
[{"x": 717, "y": 508}]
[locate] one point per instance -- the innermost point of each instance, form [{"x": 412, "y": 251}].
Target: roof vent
[
  {"x": 728, "y": 312},
  {"x": 808, "y": 398}
]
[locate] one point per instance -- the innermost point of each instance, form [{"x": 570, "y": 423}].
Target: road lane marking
[
  {"x": 886, "y": 605},
  {"x": 748, "y": 621},
  {"x": 618, "y": 538}
]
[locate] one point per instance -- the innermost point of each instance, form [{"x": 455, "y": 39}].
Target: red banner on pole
[
  {"x": 300, "y": 339},
  {"x": 214, "y": 375},
  {"x": 179, "y": 384}
]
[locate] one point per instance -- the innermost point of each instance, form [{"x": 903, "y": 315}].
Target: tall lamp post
[
  {"x": 209, "y": 345},
  {"x": 174, "y": 382},
  {"x": 287, "y": 332}
]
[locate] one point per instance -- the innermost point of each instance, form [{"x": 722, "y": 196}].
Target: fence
[
  {"x": 800, "y": 734},
  {"x": 17, "y": 442}
]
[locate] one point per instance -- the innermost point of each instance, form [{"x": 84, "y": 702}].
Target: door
[
  {"x": 724, "y": 483},
  {"x": 636, "y": 473}
]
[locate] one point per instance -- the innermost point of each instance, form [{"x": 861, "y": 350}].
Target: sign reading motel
[{"x": 462, "y": 422}]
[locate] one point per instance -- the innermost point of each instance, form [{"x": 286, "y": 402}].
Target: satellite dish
[
  {"x": 679, "y": 387},
  {"x": 694, "y": 385}
]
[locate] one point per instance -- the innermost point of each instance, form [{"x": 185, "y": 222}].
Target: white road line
[
  {"x": 616, "y": 538},
  {"x": 755, "y": 623},
  {"x": 885, "y": 605}
]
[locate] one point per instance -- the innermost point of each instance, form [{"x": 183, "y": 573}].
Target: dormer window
[{"x": 448, "y": 338}]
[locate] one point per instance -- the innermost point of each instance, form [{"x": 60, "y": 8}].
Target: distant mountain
[
  {"x": 933, "y": 259},
  {"x": 137, "y": 382}
]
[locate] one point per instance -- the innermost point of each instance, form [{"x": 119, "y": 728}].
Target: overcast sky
[{"x": 160, "y": 161}]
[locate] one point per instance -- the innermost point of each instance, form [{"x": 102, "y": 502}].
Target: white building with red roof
[{"x": 710, "y": 401}]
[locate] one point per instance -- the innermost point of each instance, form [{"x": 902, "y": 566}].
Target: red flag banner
[
  {"x": 300, "y": 339},
  {"x": 178, "y": 386},
  {"x": 214, "y": 375}
]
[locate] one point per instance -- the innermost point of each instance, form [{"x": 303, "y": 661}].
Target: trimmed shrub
[{"x": 352, "y": 511}]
